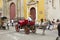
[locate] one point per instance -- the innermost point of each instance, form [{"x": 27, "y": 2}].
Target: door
[
  {"x": 33, "y": 13},
  {"x": 12, "y": 11}
]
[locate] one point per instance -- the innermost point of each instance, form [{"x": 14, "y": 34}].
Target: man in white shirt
[
  {"x": 12, "y": 21},
  {"x": 29, "y": 18}
]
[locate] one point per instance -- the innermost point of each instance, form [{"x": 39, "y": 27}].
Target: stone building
[
  {"x": 53, "y": 9},
  {"x": 38, "y": 9}
]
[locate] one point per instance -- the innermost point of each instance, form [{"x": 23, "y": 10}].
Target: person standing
[
  {"x": 58, "y": 28},
  {"x": 44, "y": 25},
  {"x": 12, "y": 22},
  {"x": 8, "y": 24},
  {"x": 41, "y": 22},
  {"x": 49, "y": 24},
  {"x": 53, "y": 24}
]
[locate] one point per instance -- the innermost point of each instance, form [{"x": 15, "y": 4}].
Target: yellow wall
[
  {"x": 1, "y": 3},
  {"x": 40, "y": 10},
  {"x": 25, "y": 9}
]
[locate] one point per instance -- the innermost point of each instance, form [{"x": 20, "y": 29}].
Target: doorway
[
  {"x": 33, "y": 13},
  {"x": 12, "y": 11}
]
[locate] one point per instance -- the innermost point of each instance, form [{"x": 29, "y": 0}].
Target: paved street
[{"x": 11, "y": 34}]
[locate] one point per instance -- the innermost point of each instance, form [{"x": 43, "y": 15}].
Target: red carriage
[{"x": 26, "y": 25}]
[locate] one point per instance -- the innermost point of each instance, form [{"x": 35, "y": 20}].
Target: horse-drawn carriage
[{"x": 26, "y": 25}]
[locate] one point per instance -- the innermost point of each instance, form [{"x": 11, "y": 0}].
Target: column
[
  {"x": 22, "y": 8},
  {"x": 46, "y": 8}
]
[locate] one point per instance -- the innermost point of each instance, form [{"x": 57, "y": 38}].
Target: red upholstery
[
  {"x": 21, "y": 22},
  {"x": 31, "y": 23},
  {"x": 24, "y": 22}
]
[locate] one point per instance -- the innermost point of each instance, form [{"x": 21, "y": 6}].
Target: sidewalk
[{"x": 13, "y": 35}]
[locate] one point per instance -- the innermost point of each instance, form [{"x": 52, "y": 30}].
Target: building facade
[
  {"x": 38, "y": 9},
  {"x": 24, "y": 8},
  {"x": 53, "y": 9}
]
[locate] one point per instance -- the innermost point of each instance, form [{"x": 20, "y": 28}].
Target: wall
[
  {"x": 41, "y": 10},
  {"x": 25, "y": 8},
  {"x": 53, "y": 12},
  {"x": 1, "y": 3}
]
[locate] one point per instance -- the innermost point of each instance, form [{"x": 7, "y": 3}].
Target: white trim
[
  {"x": 36, "y": 13},
  {"x": 27, "y": 11},
  {"x": 22, "y": 3}
]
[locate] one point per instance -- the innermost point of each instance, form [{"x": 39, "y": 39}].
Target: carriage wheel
[
  {"x": 27, "y": 30},
  {"x": 17, "y": 28}
]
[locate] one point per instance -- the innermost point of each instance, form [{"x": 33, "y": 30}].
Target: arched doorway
[
  {"x": 12, "y": 11},
  {"x": 33, "y": 13}
]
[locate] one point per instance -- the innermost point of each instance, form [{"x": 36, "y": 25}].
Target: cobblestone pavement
[{"x": 11, "y": 34}]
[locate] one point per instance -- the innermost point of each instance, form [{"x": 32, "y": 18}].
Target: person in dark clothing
[
  {"x": 12, "y": 22},
  {"x": 53, "y": 21},
  {"x": 41, "y": 20},
  {"x": 57, "y": 20},
  {"x": 58, "y": 28},
  {"x": 41, "y": 23},
  {"x": 49, "y": 22},
  {"x": 8, "y": 25}
]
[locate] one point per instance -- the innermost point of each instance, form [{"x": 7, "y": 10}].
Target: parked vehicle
[{"x": 26, "y": 25}]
